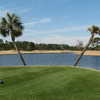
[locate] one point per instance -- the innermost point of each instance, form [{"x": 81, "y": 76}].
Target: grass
[{"x": 49, "y": 83}]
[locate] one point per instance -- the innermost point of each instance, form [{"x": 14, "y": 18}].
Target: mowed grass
[{"x": 49, "y": 83}]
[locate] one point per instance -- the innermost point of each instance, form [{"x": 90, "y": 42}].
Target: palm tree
[
  {"x": 11, "y": 25},
  {"x": 94, "y": 30}
]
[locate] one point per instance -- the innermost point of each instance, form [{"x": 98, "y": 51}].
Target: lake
[{"x": 51, "y": 59}]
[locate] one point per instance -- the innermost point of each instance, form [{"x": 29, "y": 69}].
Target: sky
[{"x": 54, "y": 21}]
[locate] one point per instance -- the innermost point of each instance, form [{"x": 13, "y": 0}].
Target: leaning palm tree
[
  {"x": 11, "y": 25},
  {"x": 94, "y": 30}
]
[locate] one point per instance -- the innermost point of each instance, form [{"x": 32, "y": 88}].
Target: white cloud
[
  {"x": 3, "y": 11},
  {"x": 44, "y": 20},
  {"x": 24, "y": 11},
  {"x": 57, "y": 39},
  {"x": 52, "y": 36},
  {"x": 59, "y": 30}
]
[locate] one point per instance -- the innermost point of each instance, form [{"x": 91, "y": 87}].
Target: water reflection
[{"x": 50, "y": 59}]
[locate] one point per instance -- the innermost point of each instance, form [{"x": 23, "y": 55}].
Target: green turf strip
[{"x": 49, "y": 83}]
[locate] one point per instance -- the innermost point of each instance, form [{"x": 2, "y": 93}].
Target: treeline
[
  {"x": 22, "y": 45},
  {"x": 28, "y": 46},
  {"x": 55, "y": 47}
]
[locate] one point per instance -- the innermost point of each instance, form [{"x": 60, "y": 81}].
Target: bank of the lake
[
  {"x": 49, "y": 83},
  {"x": 88, "y": 52}
]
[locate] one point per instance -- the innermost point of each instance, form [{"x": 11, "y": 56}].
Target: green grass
[{"x": 49, "y": 83}]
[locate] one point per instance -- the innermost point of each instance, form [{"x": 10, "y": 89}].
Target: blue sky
[{"x": 54, "y": 21}]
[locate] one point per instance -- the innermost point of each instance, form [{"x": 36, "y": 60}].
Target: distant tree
[
  {"x": 11, "y": 25},
  {"x": 30, "y": 46},
  {"x": 79, "y": 44},
  {"x": 1, "y": 41},
  {"x": 96, "y": 42},
  {"x": 94, "y": 30}
]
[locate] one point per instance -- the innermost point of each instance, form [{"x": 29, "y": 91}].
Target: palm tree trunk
[
  {"x": 90, "y": 41},
  {"x": 18, "y": 51}
]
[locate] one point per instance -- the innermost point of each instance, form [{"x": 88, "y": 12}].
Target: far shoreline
[{"x": 88, "y": 52}]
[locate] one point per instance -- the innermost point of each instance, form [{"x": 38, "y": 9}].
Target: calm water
[{"x": 50, "y": 59}]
